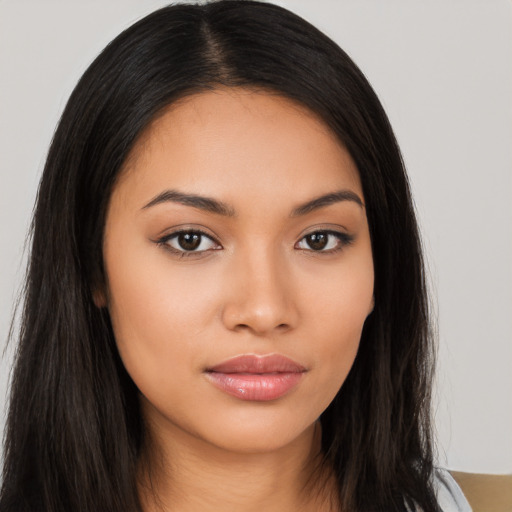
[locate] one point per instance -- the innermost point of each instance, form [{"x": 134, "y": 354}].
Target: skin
[{"x": 254, "y": 287}]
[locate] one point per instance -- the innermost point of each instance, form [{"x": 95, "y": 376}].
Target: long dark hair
[{"x": 74, "y": 429}]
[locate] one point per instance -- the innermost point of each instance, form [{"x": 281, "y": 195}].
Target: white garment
[{"x": 449, "y": 495}]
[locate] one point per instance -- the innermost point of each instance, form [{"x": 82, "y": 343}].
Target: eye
[
  {"x": 324, "y": 241},
  {"x": 189, "y": 241}
]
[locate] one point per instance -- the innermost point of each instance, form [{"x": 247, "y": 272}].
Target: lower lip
[{"x": 254, "y": 386}]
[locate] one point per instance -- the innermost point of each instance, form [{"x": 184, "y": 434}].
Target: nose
[{"x": 260, "y": 298}]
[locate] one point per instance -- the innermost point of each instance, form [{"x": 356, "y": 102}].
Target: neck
[{"x": 189, "y": 475}]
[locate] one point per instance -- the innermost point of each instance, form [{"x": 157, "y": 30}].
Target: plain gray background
[{"x": 443, "y": 70}]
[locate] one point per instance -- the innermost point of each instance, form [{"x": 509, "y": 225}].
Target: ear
[
  {"x": 372, "y": 305},
  {"x": 99, "y": 297}
]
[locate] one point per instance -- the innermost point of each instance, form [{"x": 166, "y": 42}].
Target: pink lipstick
[{"x": 256, "y": 378}]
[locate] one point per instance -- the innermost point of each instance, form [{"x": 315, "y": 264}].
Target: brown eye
[
  {"x": 324, "y": 241},
  {"x": 317, "y": 241},
  {"x": 189, "y": 241}
]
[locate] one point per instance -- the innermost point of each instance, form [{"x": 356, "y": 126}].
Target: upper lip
[{"x": 251, "y": 363}]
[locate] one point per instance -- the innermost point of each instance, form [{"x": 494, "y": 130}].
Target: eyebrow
[
  {"x": 196, "y": 201},
  {"x": 218, "y": 207},
  {"x": 326, "y": 200}
]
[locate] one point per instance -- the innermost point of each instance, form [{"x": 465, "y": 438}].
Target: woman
[{"x": 225, "y": 305}]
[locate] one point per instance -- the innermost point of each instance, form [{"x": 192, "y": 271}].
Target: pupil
[
  {"x": 189, "y": 241},
  {"x": 317, "y": 241}
]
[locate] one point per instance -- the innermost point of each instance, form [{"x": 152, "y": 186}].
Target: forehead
[{"x": 239, "y": 141}]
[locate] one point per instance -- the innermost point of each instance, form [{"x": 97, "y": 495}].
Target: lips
[{"x": 256, "y": 378}]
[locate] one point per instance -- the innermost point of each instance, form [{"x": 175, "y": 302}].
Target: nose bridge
[{"x": 260, "y": 298}]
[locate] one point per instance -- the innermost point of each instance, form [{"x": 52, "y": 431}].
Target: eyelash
[
  {"x": 343, "y": 240},
  {"x": 164, "y": 242}
]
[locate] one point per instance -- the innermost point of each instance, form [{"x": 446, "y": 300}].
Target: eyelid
[
  {"x": 345, "y": 239},
  {"x": 164, "y": 239}
]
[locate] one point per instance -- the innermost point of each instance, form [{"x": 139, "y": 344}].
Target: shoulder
[{"x": 449, "y": 495}]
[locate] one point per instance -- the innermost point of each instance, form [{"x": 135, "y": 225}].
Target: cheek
[
  {"x": 339, "y": 314},
  {"x": 158, "y": 315},
  {"x": 342, "y": 297}
]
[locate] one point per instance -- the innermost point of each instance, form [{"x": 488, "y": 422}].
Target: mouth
[{"x": 256, "y": 378}]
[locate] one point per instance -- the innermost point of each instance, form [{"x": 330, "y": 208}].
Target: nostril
[
  {"x": 258, "y": 316},
  {"x": 282, "y": 327},
  {"x": 244, "y": 327}
]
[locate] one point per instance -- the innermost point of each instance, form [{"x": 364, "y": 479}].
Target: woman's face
[{"x": 239, "y": 269}]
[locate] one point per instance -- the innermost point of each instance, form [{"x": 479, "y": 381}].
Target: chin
[{"x": 252, "y": 440}]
